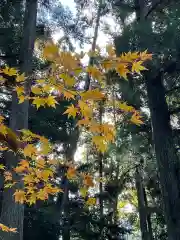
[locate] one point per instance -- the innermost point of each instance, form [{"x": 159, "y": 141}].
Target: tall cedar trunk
[
  {"x": 64, "y": 209},
  {"x": 66, "y": 226},
  {"x": 141, "y": 205},
  {"x": 148, "y": 216},
  {"x": 93, "y": 47},
  {"x": 12, "y": 214},
  {"x": 167, "y": 159}
]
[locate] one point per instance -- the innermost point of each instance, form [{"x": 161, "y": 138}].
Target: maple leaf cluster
[
  {"x": 62, "y": 80},
  {"x": 36, "y": 169}
]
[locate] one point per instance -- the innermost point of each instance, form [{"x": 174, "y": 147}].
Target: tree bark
[
  {"x": 167, "y": 159},
  {"x": 12, "y": 214},
  {"x": 94, "y": 42},
  {"x": 148, "y": 215},
  {"x": 141, "y": 205}
]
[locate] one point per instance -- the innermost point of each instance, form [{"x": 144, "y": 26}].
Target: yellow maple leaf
[
  {"x": 42, "y": 194},
  {"x": 145, "y": 56},
  {"x": 108, "y": 131},
  {"x": 19, "y": 169},
  {"x": 27, "y": 135},
  {"x": 39, "y": 102},
  {"x": 20, "y": 90},
  {"x": 85, "y": 121},
  {"x": 83, "y": 192},
  {"x": 43, "y": 140},
  {"x": 100, "y": 143},
  {"x": 107, "y": 64},
  {"x": 123, "y": 106},
  {"x": 95, "y": 127},
  {"x": 30, "y": 188},
  {"x": 36, "y": 90},
  {"x": 40, "y": 163},
  {"x": 50, "y": 51},
  {"x": 47, "y": 88},
  {"x": 20, "y": 78},
  {"x": 21, "y": 99},
  {"x": 52, "y": 190},
  {"x": 20, "y": 196},
  {"x": 9, "y": 71},
  {"x": 136, "y": 119},
  {"x": 24, "y": 163},
  {"x": 32, "y": 198},
  {"x": 68, "y": 80},
  {"x": 137, "y": 67},
  {"x": 40, "y": 81},
  {"x": 94, "y": 94},
  {"x": 71, "y": 111},
  {"x": 68, "y": 95},
  {"x": 51, "y": 101},
  {"x": 46, "y": 174},
  {"x": 129, "y": 57},
  {"x": 86, "y": 111},
  {"x": 29, "y": 150},
  {"x": 88, "y": 181},
  {"x": 122, "y": 70},
  {"x": 110, "y": 50},
  {"x": 94, "y": 72},
  {"x": 29, "y": 178},
  {"x": 45, "y": 148},
  {"x": 91, "y": 201},
  {"x": 71, "y": 173}
]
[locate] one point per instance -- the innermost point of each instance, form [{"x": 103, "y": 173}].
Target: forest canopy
[{"x": 89, "y": 149}]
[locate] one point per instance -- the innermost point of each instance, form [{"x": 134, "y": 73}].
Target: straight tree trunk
[
  {"x": 141, "y": 205},
  {"x": 94, "y": 42},
  {"x": 166, "y": 155},
  {"x": 12, "y": 214},
  {"x": 148, "y": 216},
  {"x": 64, "y": 209},
  {"x": 167, "y": 159}
]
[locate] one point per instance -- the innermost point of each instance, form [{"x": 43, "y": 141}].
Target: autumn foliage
[{"x": 63, "y": 80}]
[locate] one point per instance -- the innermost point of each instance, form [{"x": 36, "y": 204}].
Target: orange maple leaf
[
  {"x": 88, "y": 181},
  {"x": 20, "y": 196},
  {"x": 71, "y": 173}
]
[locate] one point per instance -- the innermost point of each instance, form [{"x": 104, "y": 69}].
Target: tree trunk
[
  {"x": 12, "y": 214},
  {"x": 141, "y": 205},
  {"x": 94, "y": 42},
  {"x": 70, "y": 149},
  {"x": 66, "y": 234},
  {"x": 150, "y": 232},
  {"x": 167, "y": 159}
]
